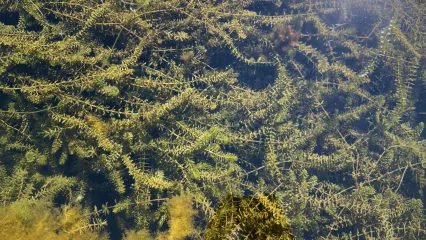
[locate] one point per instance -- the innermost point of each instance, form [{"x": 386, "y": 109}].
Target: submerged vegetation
[
  {"x": 258, "y": 217},
  {"x": 137, "y": 119}
]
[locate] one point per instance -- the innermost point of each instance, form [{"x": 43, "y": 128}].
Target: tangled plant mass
[{"x": 115, "y": 114}]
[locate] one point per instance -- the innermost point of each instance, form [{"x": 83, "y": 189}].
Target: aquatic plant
[
  {"x": 259, "y": 217},
  {"x": 40, "y": 220},
  {"x": 120, "y": 106}
]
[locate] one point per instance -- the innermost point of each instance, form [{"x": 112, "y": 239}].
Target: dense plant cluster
[
  {"x": 124, "y": 114},
  {"x": 258, "y": 217}
]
